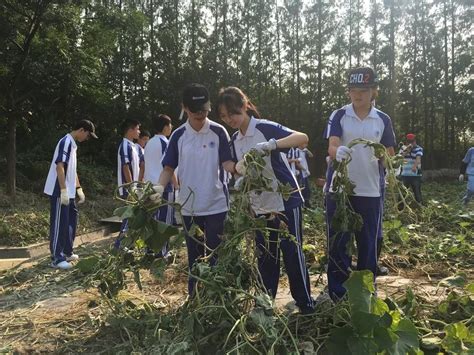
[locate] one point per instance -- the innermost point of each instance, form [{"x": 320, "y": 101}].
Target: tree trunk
[{"x": 11, "y": 156}]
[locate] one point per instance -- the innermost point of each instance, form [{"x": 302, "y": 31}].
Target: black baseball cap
[
  {"x": 363, "y": 77},
  {"x": 196, "y": 98},
  {"x": 86, "y": 125}
]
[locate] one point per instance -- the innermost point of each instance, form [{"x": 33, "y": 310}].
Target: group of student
[{"x": 200, "y": 155}]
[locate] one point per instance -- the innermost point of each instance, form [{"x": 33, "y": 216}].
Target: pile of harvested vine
[{"x": 429, "y": 247}]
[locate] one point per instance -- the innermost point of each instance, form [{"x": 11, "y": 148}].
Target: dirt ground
[{"x": 47, "y": 310}]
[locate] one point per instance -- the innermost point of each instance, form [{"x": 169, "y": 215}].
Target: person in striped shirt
[{"x": 411, "y": 168}]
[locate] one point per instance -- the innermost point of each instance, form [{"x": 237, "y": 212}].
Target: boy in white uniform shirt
[
  {"x": 128, "y": 164},
  {"x": 61, "y": 186},
  {"x": 141, "y": 144},
  {"x": 200, "y": 148},
  {"x": 359, "y": 119},
  {"x": 154, "y": 152}
]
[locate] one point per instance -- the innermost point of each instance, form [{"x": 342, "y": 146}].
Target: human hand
[
  {"x": 80, "y": 194},
  {"x": 343, "y": 153},
  {"x": 159, "y": 189},
  {"x": 461, "y": 177},
  {"x": 240, "y": 168},
  {"x": 64, "y": 197},
  {"x": 266, "y": 147}
]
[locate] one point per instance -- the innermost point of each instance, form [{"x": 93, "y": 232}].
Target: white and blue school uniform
[
  {"x": 63, "y": 219},
  {"x": 153, "y": 156},
  {"x": 469, "y": 160},
  {"x": 409, "y": 177},
  {"x": 278, "y": 170},
  {"x": 127, "y": 154},
  {"x": 368, "y": 175},
  {"x": 302, "y": 176},
  {"x": 203, "y": 192}
]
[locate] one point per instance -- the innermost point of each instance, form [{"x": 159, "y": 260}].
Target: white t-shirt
[
  {"x": 365, "y": 171},
  {"x": 199, "y": 155},
  {"x": 276, "y": 168},
  {"x": 127, "y": 155},
  {"x": 154, "y": 151},
  {"x": 65, "y": 153}
]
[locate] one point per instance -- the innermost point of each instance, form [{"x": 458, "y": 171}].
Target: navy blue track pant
[
  {"x": 339, "y": 263},
  {"x": 293, "y": 257},
  {"x": 213, "y": 228},
  {"x": 165, "y": 214},
  {"x": 62, "y": 228}
]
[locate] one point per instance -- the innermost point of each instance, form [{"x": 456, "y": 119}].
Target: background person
[
  {"x": 128, "y": 164},
  {"x": 411, "y": 168},
  {"x": 61, "y": 186},
  {"x": 142, "y": 140},
  {"x": 154, "y": 153},
  {"x": 467, "y": 169}
]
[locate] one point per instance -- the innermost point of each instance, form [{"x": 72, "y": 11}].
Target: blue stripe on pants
[
  {"x": 293, "y": 257},
  {"x": 339, "y": 264},
  {"x": 62, "y": 228},
  {"x": 213, "y": 227}
]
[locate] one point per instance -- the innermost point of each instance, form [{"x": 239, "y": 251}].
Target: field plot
[{"x": 429, "y": 286}]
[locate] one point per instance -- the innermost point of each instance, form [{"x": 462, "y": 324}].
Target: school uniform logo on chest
[{"x": 211, "y": 144}]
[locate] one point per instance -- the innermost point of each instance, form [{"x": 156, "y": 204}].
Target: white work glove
[
  {"x": 64, "y": 197},
  {"x": 343, "y": 153},
  {"x": 461, "y": 177},
  {"x": 159, "y": 189},
  {"x": 239, "y": 183},
  {"x": 81, "y": 195},
  {"x": 266, "y": 147},
  {"x": 240, "y": 168}
]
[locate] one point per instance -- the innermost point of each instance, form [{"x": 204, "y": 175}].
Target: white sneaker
[
  {"x": 63, "y": 265},
  {"x": 72, "y": 257}
]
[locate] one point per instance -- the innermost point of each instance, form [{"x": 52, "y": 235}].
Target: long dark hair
[{"x": 234, "y": 100}]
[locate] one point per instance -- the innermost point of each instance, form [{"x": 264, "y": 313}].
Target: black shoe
[{"x": 304, "y": 311}]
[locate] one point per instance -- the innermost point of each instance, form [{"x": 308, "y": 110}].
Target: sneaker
[
  {"x": 63, "y": 265},
  {"x": 72, "y": 257}
]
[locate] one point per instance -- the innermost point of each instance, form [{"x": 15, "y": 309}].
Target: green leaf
[
  {"x": 88, "y": 264},
  {"x": 385, "y": 338},
  {"x": 470, "y": 288},
  {"x": 338, "y": 339},
  {"x": 360, "y": 287},
  {"x": 364, "y": 322},
  {"x": 458, "y": 280},
  {"x": 408, "y": 338},
  {"x": 379, "y": 307},
  {"x": 362, "y": 346},
  {"x": 138, "y": 220},
  {"x": 124, "y": 212}
]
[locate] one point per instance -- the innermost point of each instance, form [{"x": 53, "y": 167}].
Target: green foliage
[{"x": 372, "y": 327}]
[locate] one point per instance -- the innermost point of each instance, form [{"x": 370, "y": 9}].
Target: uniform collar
[
  {"x": 73, "y": 141},
  {"x": 129, "y": 141},
  {"x": 205, "y": 129},
  {"x": 350, "y": 112},
  {"x": 250, "y": 129}
]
